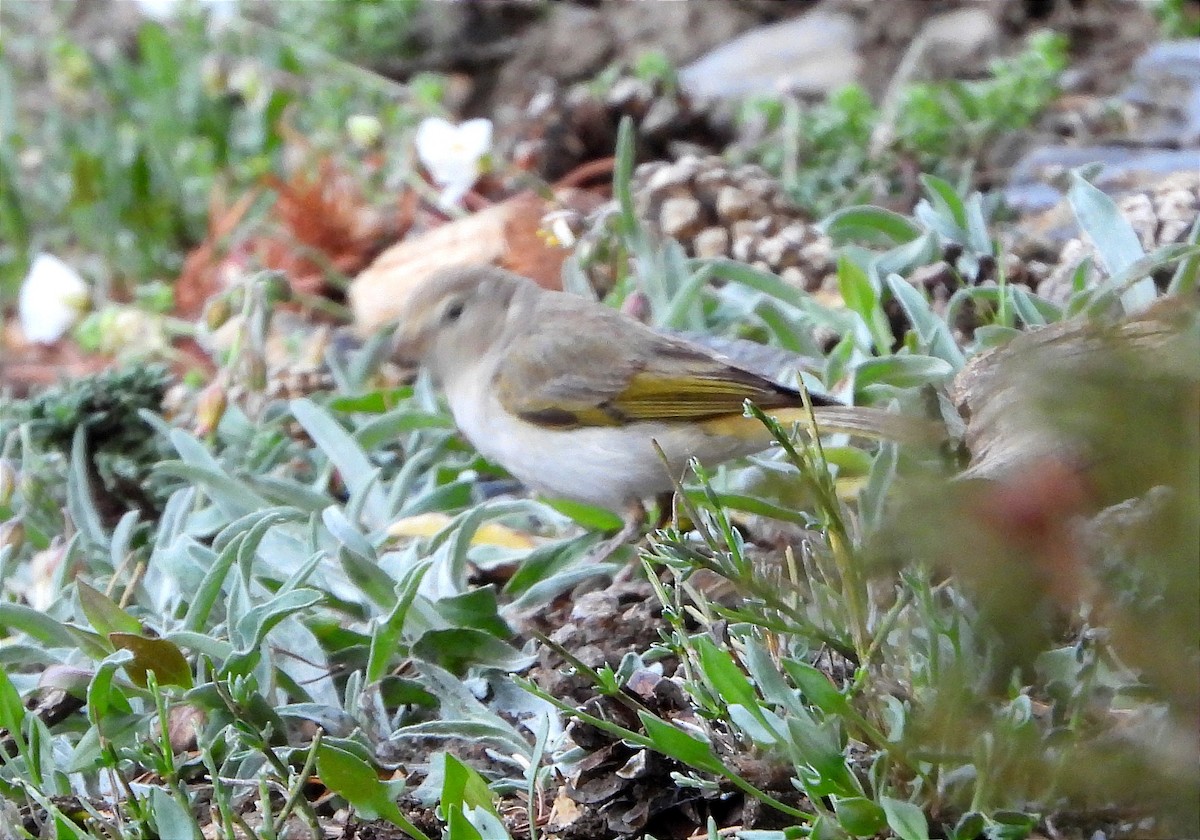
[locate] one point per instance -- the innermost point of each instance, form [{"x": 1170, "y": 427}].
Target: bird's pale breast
[{"x": 607, "y": 466}]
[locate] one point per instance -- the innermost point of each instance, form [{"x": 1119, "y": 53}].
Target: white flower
[
  {"x": 52, "y": 298},
  {"x": 452, "y": 154},
  {"x": 560, "y": 226},
  {"x": 163, "y": 10}
]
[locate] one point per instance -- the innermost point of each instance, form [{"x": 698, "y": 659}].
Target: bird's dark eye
[{"x": 453, "y": 312}]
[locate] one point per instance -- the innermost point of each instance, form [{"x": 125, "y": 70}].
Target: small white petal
[
  {"x": 475, "y": 137},
  {"x": 434, "y": 136},
  {"x": 452, "y": 193},
  {"x": 52, "y": 298},
  {"x": 157, "y": 9},
  {"x": 163, "y": 10},
  {"x": 451, "y": 154},
  {"x": 561, "y": 229}
]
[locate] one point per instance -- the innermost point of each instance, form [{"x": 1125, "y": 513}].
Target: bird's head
[{"x": 455, "y": 318}]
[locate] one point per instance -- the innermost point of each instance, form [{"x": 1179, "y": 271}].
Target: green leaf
[
  {"x": 1011, "y": 825},
  {"x": 626, "y": 151},
  {"x": 170, "y": 817},
  {"x": 901, "y": 371},
  {"x": 860, "y": 296},
  {"x": 1187, "y": 276},
  {"x": 458, "y": 825},
  {"x": 476, "y": 608},
  {"x": 261, "y": 620},
  {"x": 817, "y": 745},
  {"x": 993, "y": 335},
  {"x": 587, "y": 516},
  {"x": 160, "y": 656},
  {"x": 463, "y": 786},
  {"x": 357, "y": 782},
  {"x": 12, "y": 710},
  {"x": 386, "y": 636},
  {"x": 103, "y": 613},
  {"x": 118, "y": 545},
  {"x": 977, "y": 234},
  {"x": 762, "y": 726},
  {"x": 869, "y": 224},
  {"x": 346, "y": 455},
  {"x": 904, "y": 258},
  {"x": 726, "y": 678},
  {"x": 393, "y": 425},
  {"x": 373, "y": 582},
  {"x": 456, "y": 649},
  {"x": 79, "y": 495},
  {"x": 969, "y": 826},
  {"x": 210, "y": 587},
  {"x": 218, "y": 650},
  {"x": 345, "y": 532},
  {"x": 763, "y": 667},
  {"x": 398, "y": 691},
  {"x": 201, "y": 468},
  {"x": 679, "y": 745},
  {"x": 38, "y": 625},
  {"x": 817, "y": 688},
  {"x": 502, "y": 736},
  {"x": 1116, "y": 241},
  {"x": 1033, "y": 310},
  {"x": 904, "y": 818},
  {"x": 945, "y": 199},
  {"x": 102, "y": 697},
  {"x": 859, "y": 816},
  {"x": 931, "y": 330},
  {"x": 683, "y": 311}
]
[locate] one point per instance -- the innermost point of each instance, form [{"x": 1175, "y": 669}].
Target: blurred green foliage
[
  {"x": 823, "y": 152},
  {"x": 114, "y": 153},
  {"x": 904, "y": 660},
  {"x": 1178, "y": 18}
]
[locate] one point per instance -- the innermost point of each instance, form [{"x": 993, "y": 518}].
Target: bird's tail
[{"x": 864, "y": 422}]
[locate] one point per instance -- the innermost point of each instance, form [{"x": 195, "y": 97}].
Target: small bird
[{"x": 571, "y": 396}]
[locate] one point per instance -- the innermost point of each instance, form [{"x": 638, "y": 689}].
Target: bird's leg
[
  {"x": 631, "y": 527},
  {"x": 665, "y": 502}
]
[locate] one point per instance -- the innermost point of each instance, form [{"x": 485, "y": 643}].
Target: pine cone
[
  {"x": 563, "y": 128},
  {"x": 1161, "y": 213},
  {"x": 715, "y": 210}
]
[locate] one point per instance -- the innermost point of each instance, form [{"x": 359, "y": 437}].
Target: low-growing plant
[
  {"x": 332, "y": 585},
  {"x": 823, "y": 153},
  {"x": 147, "y": 141}
]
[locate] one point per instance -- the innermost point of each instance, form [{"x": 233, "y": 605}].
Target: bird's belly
[{"x": 608, "y": 466}]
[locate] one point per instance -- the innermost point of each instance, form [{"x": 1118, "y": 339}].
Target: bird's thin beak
[
  {"x": 405, "y": 351},
  {"x": 406, "y": 346}
]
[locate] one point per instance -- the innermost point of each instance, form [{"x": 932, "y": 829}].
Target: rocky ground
[{"x": 1127, "y": 99}]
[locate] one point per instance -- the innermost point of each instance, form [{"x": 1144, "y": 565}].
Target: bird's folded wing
[{"x": 563, "y": 380}]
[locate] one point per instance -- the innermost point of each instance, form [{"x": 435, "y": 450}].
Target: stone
[
  {"x": 734, "y": 204},
  {"x": 681, "y": 217},
  {"x": 779, "y": 252},
  {"x": 594, "y": 606},
  {"x": 1164, "y": 93},
  {"x": 665, "y": 176},
  {"x": 712, "y": 242},
  {"x": 629, "y": 90},
  {"x": 661, "y": 118},
  {"x": 743, "y": 248},
  {"x": 813, "y": 55},
  {"x": 1032, "y": 185},
  {"x": 958, "y": 41},
  {"x": 744, "y": 227},
  {"x": 794, "y": 276}
]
